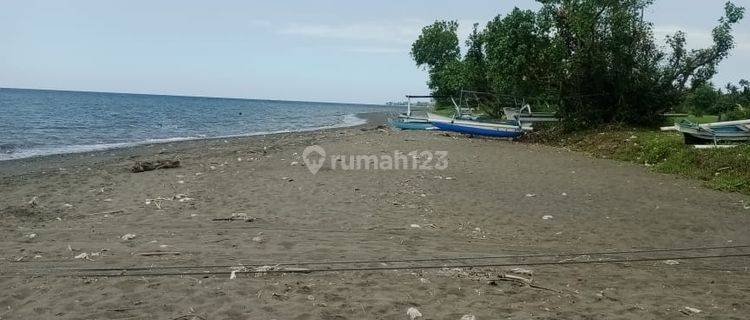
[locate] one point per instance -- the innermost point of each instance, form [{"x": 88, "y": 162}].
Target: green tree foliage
[
  {"x": 731, "y": 103},
  {"x": 595, "y": 60},
  {"x": 697, "y": 67},
  {"x": 437, "y": 50},
  {"x": 734, "y": 104},
  {"x": 610, "y": 62},
  {"x": 437, "y": 45},
  {"x": 475, "y": 62},
  {"x": 702, "y": 100},
  {"x": 518, "y": 51}
]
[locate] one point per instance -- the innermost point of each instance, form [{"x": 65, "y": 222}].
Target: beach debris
[
  {"x": 527, "y": 272},
  {"x": 468, "y": 317},
  {"x": 67, "y": 205},
  {"x": 746, "y": 205},
  {"x": 414, "y": 225},
  {"x": 530, "y": 195},
  {"x": 413, "y": 313},
  {"x": 514, "y": 278},
  {"x": 82, "y": 255},
  {"x": 671, "y": 262},
  {"x": 179, "y": 197},
  {"x": 259, "y": 238},
  {"x": 33, "y": 202},
  {"x": 127, "y": 236},
  {"x": 564, "y": 194},
  {"x": 294, "y": 163},
  {"x": 265, "y": 268},
  {"x": 31, "y": 235},
  {"x": 450, "y": 178},
  {"x": 423, "y": 280},
  {"x": 691, "y": 310},
  {"x": 233, "y": 273},
  {"x": 237, "y": 216},
  {"x": 143, "y": 166},
  {"x": 547, "y": 217},
  {"x": 88, "y": 256}
]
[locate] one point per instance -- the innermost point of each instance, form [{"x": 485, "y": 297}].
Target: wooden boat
[
  {"x": 471, "y": 127},
  {"x": 727, "y": 131}
]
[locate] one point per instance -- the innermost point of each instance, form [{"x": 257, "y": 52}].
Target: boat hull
[
  {"x": 735, "y": 131},
  {"x": 496, "y": 131}
]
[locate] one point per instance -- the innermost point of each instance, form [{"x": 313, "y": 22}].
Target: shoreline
[
  {"x": 63, "y": 215},
  {"x": 65, "y": 159}
]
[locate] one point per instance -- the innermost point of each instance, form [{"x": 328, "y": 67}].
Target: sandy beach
[{"x": 243, "y": 230}]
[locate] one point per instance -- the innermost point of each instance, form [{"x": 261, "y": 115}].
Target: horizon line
[{"x": 195, "y": 96}]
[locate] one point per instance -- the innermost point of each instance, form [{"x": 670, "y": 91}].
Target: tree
[
  {"x": 437, "y": 45},
  {"x": 703, "y": 99},
  {"x": 697, "y": 67},
  {"x": 475, "y": 62},
  {"x": 516, "y": 54},
  {"x": 437, "y": 50},
  {"x": 595, "y": 60}
]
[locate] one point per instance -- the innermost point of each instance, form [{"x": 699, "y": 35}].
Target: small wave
[
  {"x": 8, "y": 148},
  {"x": 13, "y": 152}
]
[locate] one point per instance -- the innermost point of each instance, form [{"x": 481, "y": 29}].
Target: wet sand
[{"x": 364, "y": 244}]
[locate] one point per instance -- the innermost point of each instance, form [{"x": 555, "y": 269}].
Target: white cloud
[
  {"x": 696, "y": 39},
  {"x": 379, "y": 50},
  {"x": 391, "y": 32},
  {"x": 386, "y": 32}
]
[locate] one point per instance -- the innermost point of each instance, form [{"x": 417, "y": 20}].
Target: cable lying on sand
[{"x": 411, "y": 264}]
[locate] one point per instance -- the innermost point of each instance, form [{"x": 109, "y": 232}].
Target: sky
[{"x": 336, "y": 51}]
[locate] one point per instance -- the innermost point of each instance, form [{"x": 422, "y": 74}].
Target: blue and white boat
[
  {"x": 409, "y": 121},
  {"x": 471, "y": 127}
]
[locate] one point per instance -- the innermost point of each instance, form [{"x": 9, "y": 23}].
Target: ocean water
[{"x": 44, "y": 122}]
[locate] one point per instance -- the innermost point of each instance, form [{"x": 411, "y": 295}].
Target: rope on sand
[{"x": 328, "y": 266}]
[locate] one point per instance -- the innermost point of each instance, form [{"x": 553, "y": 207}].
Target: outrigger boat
[
  {"x": 408, "y": 121},
  {"x": 471, "y": 127},
  {"x": 525, "y": 115},
  {"x": 727, "y": 131}
]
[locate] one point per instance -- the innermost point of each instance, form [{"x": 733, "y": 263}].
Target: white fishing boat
[{"x": 726, "y": 131}]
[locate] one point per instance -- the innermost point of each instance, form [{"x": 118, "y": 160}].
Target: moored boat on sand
[
  {"x": 471, "y": 127},
  {"x": 727, "y": 131}
]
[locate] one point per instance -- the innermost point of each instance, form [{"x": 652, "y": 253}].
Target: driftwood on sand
[{"x": 142, "y": 166}]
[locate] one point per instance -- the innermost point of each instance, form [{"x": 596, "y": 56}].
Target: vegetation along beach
[{"x": 557, "y": 159}]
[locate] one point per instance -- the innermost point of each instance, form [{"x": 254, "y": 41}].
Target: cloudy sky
[{"x": 346, "y": 51}]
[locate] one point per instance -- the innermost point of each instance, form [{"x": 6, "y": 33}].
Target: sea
[{"x": 44, "y": 122}]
